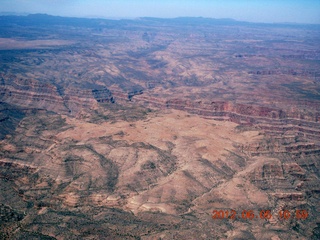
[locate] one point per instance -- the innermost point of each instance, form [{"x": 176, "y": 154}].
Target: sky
[{"x": 269, "y": 11}]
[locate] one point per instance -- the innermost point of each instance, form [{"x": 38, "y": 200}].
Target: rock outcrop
[
  {"x": 272, "y": 120},
  {"x": 32, "y": 94}
]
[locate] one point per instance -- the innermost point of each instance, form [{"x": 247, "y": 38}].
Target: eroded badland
[{"x": 140, "y": 129}]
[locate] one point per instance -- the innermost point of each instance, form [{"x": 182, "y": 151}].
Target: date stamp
[{"x": 299, "y": 214}]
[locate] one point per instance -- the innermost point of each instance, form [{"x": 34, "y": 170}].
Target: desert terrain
[{"x": 142, "y": 129}]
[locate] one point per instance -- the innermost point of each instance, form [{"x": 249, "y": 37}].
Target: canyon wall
[
  {"x": 70, "y": 101},
  {"x": 271, "y": 120},
  {"x": 32, "y": 94}
]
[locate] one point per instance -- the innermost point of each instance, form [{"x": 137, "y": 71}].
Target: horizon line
[{"x": 24, "y": 14}]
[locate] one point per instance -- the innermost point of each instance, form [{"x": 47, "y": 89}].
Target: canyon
[{"x": 140, "y": 129}]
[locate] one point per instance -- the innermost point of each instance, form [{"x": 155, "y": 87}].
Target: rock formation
[{"x": 147, "y": 128}]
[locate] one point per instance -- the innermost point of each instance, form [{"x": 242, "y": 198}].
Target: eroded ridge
[{"x": 165, "y": 164}]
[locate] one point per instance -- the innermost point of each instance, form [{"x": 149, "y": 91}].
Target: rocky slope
[
  {"x": 30, "y": 93},
  {"x": 168, "y": 171}
]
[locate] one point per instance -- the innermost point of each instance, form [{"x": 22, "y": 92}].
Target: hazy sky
[{"x": 300, "y": 11}]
